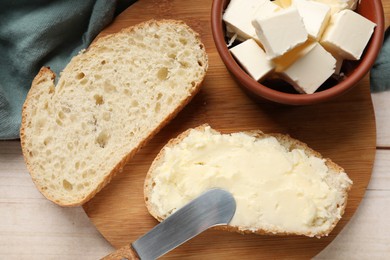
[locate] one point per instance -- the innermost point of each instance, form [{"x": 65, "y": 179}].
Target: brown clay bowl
[{"x": 280, "y": 92}]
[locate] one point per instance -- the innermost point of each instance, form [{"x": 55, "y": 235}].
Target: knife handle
[{"x": 123, "y": 253}]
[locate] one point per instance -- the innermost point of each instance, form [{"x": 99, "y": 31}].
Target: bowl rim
[{"x": 296, "y": 99}]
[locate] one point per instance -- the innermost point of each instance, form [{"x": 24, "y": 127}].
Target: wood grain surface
[{"x": 343, "y": 130}]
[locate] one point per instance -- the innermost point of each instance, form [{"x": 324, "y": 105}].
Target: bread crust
[
  {"x": 45, "y": 74},
  {"x": 286, "y": 140}
]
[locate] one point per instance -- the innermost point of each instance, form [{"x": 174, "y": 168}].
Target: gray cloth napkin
[
  {"x": 36, "y": 33},
  {"x": 380, "y": 72}
]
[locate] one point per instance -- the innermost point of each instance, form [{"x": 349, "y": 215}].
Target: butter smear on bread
[{"x": 280, "y": 185}]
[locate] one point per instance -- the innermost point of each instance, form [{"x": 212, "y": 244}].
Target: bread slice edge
[{"x": 45, "y": 75}]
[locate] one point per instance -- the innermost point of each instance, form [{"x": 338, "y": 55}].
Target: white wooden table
[{"x": 32, "y": 227}]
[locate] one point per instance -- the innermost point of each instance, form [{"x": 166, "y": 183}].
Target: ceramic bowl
[{"x": 281, "y": 92}]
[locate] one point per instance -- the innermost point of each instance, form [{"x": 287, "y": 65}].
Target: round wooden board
[{"x": 343, "y": 130}]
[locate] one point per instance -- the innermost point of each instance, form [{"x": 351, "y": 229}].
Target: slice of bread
[
  {"x": 281, "y": 186},
  {"x": 109, "y": 101}
]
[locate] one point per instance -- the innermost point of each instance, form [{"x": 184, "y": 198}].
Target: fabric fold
[{"x": 42, "y": 33}]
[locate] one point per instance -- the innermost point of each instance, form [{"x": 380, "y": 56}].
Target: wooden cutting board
[{"x": 343, "y": 130}]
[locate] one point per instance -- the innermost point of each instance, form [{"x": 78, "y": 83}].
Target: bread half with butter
[
  {"x": 109, "y": 101},
  {"x": 281, "y": 186}
]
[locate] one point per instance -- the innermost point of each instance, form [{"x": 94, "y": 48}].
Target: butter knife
[{"x": 212, "y": 208}]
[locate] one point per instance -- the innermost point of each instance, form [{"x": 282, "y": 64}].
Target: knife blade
[{"x": 212, "y": 208}]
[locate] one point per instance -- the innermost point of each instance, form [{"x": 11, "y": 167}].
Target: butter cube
[
  {"x": 280, "y": 32},
  {"x": 347, "y": 34},
  {"x": 315, "y": 16},
  {"x": 283, "y": 3},
  {"x": 253, "y": 59},
  {"x": 311, "y": 70},
  {"x": 266, "y": 9},
  {"x": 339, "y": 5},
  {"x": 238, "y": 17},
  {"x": 287, "y": 59},
  {"x": 339, "y": 64},
  {"x": 352, "y": 4}
]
